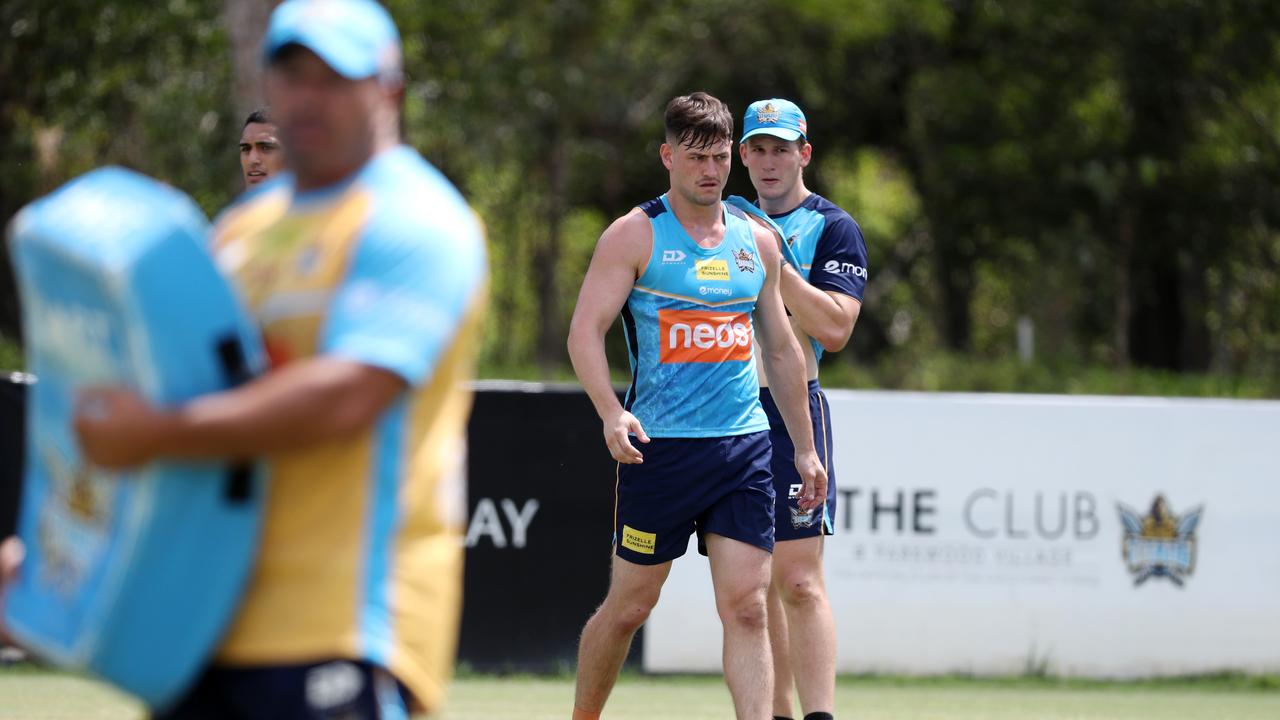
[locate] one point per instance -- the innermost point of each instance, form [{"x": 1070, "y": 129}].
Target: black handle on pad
[{"x": 236, "y": 371}]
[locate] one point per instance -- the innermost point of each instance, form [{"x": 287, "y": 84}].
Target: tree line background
[{"x": 1100, "y": 177}]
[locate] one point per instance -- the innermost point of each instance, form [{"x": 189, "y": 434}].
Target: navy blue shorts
[
  {"x": 794, "y": 523},
  {"x": 716, "y": 485},
  {"x": 327, "y": 690}
]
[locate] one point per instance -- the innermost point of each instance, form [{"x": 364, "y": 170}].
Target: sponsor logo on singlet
[
  {"x": 712, "y": 269},
  {"x": 688, "y": 336}
]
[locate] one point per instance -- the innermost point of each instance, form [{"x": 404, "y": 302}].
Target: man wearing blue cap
[
  {"x": 822, "y": 286},
  {"x": 366, "y": 271}
]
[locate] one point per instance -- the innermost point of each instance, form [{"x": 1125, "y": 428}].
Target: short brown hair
[
  {"x": 698, "y": 121},
  {"x": 799, "y": 142}
]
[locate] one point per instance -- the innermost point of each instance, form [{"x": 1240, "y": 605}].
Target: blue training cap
[
  {"x": 777, "y": 117},
  {"x": 357, "y": 38}
]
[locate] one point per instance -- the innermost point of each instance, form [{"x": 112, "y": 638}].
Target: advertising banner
[
  {"x": 540, "y": 527},
  {"x": 1002, "y": 534}
]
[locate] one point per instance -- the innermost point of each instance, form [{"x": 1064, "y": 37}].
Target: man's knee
[
  {"x": 625, "y": 615},
  {"x": 800, "y": 589},
  {"x": 629, "y": 617},
  {"x": 748, "y": 609}
]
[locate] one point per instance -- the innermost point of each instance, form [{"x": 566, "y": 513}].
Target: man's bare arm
[
  {"x": 621, "y": 254},
  {"x": 304, "y": 403},
  {"x": 785, "y": 367},
  {"x": 824, "y": 315}
]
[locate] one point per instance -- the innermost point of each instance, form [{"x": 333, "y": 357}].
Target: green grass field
[{"x": 31, "y": 694}]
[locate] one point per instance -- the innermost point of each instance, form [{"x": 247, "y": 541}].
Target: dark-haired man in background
[{"x": 260, "y": 153}]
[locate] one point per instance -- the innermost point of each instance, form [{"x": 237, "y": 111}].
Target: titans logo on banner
[{"x": 1160, "y": 544}]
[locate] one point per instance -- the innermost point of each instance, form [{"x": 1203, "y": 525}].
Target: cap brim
[
  {"x": 332, "y": 48},
  {"x": 783, "y": 133}
]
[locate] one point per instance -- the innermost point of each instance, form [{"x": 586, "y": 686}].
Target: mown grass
[{"x": 34, "y": 693}]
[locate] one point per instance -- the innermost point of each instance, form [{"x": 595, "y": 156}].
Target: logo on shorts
[
  {"x": 712, "y": 269},
  {"x": 800, "y": 519},
  {"x": 1160, "y": 544},
  {"x": 672, "y": 256},
  {"x": 638, "y": 540},
  {"x": 689, "y": 336},
  {"x": 333, "y": 685},
  {"x": 744, "y": 260}
]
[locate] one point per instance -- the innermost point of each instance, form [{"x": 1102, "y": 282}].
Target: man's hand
[
  {"x": 814, "y": 492},
  {"x": 117, "y": 429},
  {"x": 11, "y": 554},
  {"x": 616, "y": 436}
]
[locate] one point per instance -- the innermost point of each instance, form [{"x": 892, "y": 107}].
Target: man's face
[
  {"x": 327, "y": 122},
  {"x": 260, "y": 154},
  {"x": 774, "y": 164},
  {"x": 698, "y": 173}
]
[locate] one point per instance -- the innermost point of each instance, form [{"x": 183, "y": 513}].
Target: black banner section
[
  {"x": 540, "y": 525},
  {"x": 13, "y": 391}
]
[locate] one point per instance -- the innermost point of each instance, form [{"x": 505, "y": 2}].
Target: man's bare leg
[
  {"x": 780, "y": 649},
  {"x": 740, "y": 574},
  {"x": 633, "y": 591},
  {"x": 798, "y": 580}
]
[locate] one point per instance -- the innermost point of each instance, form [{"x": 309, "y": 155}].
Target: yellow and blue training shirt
[{"x": 361, "y": 554}]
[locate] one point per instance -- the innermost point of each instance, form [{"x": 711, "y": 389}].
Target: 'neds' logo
[{"x": 702, "y": 336}]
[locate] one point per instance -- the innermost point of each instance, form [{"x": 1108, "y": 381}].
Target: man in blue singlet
[
  {"x": 694, "y": 281},
  {"x": 823, "y": 294}
]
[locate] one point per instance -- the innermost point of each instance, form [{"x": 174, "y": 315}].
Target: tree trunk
[
  {"x": 551, "y": 337},
  {"x": 955, "y": 280},
  {"x": 246, "y": 22},
  {"x": 1122, "y": 280},
  {"x": 1221, "y": 362},
  {"x": 1193, "y": 351}
]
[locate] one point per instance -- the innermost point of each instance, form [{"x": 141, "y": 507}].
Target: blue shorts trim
[
  {"x": 793, "y": 523},
  {"x": 694, "y": 485}
]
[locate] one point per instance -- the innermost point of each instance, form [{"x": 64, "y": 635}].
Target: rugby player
[
  {"x": 260, "y": 154},
  {"x": 823, "y": 296},
  {"x": 696, "y": 284},
  {"x": 366, "y": 271}
]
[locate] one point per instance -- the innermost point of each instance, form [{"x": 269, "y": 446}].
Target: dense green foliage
[{"x": 1106, "y": 175}]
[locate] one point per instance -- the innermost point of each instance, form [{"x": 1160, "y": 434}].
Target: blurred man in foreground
[{"x": 366, "y": 270}]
